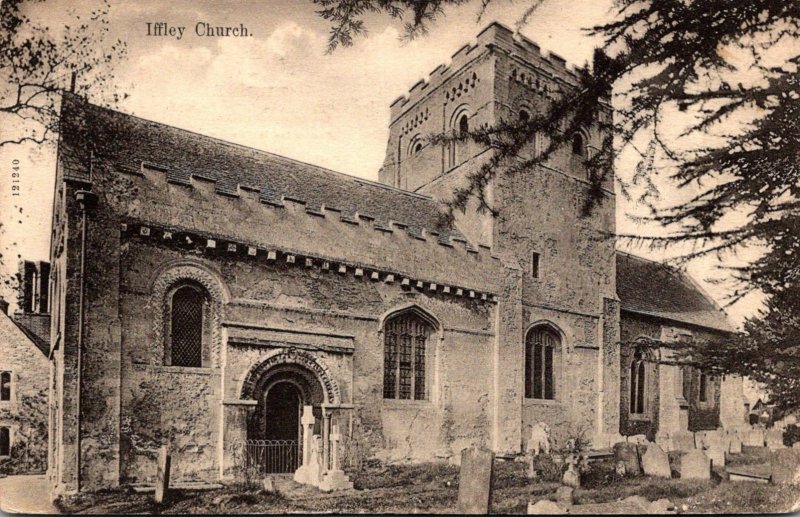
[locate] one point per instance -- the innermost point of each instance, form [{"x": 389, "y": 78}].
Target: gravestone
[
  {"x": 539, "y": 441},
  {"x": 162, "y": 474},
  {"x": 475, "y": 481},
  {"x": 303, "y": 473},
  {"x": 715, "y": 445},
  {"x": 655, "y": 462},
  {"x": 626, "y": 454},
  {"x": 695, "y": 465},
  {"x": 565, "y": 495},
  {"x": 571, "y": 477},
  {"x": 268, "y": 485},
  {"x": 754, "y": 437},
  {"x": 335, "y": 478},
  {"x": 734, "y": 443},
  {"x": 716, "y": 454},
  {"x": 774, "y": 439},
  {"x": 682, "y": 441},
  {"x": 785, "y": 467}
]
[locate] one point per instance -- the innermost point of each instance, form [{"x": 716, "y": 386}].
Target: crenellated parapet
[{"x": 494, "y": 38}]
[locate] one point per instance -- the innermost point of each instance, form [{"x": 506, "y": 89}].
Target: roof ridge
[{"x": 256, "y": 150}]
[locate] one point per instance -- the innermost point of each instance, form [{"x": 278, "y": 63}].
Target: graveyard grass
[{"x": 433, "y": 488}]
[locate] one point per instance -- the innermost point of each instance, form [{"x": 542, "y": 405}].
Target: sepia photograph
[{"x": 400, "y": 256}]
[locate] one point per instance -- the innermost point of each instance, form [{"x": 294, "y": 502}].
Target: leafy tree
[
  {"x": 38, "y": 62},
  {"x": 727, "y": 71},
  {"x": 768, "y": 351}
]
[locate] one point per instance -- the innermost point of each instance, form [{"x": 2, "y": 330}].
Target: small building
[{"x": 24, "y": 375}]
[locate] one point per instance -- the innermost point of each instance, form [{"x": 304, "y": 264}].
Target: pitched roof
[
  {"x": 182, "y": 154},
  {"x": 655, "y": 289},
  {"x": 39, "y": 343}
]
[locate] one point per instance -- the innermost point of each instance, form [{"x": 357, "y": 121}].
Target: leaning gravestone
[
  {"x": 695, "y": 465},
  {"x": 162, "y": 474},
  {"x": 785, "y": 467},
  {"x": 475, "y": 481},
  {"x": 626, "y": 454},
  {"x": 655, "y": 462}
]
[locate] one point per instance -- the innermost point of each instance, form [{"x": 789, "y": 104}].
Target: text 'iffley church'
[{"x": 203, "y": 292}]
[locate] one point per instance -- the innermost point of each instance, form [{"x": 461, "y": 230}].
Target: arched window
[
  {"x": 638, "y": 380},
  {"x": 405, "y": 344},
  {"x": 5, "y": 441},
  {"x": 703, "y": 388},
  {"x": 187, "y": 308},
  {"x": 578, "y": 146},
  {"x": 417, "y": 147},
  {"x": 524, "y": 118},
  {"x": 463, "y": 124},
  {"x": 5, "y": 386},
  {"x": 540, "y": 348}
]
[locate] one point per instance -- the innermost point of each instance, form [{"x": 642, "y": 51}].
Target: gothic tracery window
[
  {"x": 540, "y": 347},
  {"x": 187, "y": 308},
  {"x": 406, "y": 337}
]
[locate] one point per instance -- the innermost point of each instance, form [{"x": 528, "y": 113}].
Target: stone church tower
[{"x": 566, "y": 261}]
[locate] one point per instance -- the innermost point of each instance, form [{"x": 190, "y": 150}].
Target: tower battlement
[{"x": 495, "y": 36}]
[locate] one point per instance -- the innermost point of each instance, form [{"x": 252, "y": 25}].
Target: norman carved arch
[
  {"x": 167, "y": 279},
  {"x": 304, "y": 364}
]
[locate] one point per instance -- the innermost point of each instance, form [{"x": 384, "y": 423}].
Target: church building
[{"x": 203, "y": 292}]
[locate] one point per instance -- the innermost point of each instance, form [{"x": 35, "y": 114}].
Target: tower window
[
  {"x": 578, "y": 147},
  {"x": 540, "y": 347},
  {"x": 417, "y": 147},
  {"x": 535, "y": 263},
  {"x": 524, "y": 117},
  {"x": 5, "y": 386},
  {"x": 463, "y": 124}
]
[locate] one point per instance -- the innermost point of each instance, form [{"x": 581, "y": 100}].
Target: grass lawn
[{"x": 433, "y": 488}]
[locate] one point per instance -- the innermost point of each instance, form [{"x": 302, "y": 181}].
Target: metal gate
[{"x": 272, "y": 456}]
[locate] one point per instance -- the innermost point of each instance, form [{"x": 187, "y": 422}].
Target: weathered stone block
[
  {"x": 475, "y": 481},
  {"x": 655, "y": 462},
  {"x": 626, "y": 454},
  {"x": 695, "y": 465},
  {"x": 774, "y": 439}
]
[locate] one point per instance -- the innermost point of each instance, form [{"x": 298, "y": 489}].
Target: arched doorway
[
  {"x": 274, "y": 434},
  {"x": 282, "y": 407}
]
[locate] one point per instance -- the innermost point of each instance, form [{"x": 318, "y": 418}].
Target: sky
[{"x": 277, "y": 90}]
